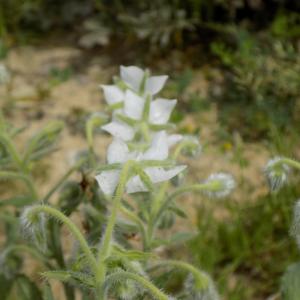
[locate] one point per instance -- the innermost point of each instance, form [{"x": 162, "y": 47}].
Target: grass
[{"x": 249, "y": 249}]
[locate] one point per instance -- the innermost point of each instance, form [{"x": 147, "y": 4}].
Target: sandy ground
[{"x": 36, "y": 101}]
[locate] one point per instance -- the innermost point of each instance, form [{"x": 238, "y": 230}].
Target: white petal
[
  {"x": 133, "y": 105},
  {"x": 108, "y": 181},
  {"x": 135, "y": 185},
  {"x": 173, "y": 139},
  {"x": 159, "y": 149},
  {"x": 117, "y": 152},
  {"x": 158, "y": 174},
  {"x": 112, "y": 94},
  {"x": 132, "y": 76},
  {"x": 119, "y": 130},
  {"x": 160, "y": 110},
  {"x": 155, "y": 83}
]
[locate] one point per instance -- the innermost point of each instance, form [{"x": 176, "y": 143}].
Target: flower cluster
[
  {"x": 135, "y": 110},
  {"x": 107, "y": 266},
  {"x": 138, "y": 125}
]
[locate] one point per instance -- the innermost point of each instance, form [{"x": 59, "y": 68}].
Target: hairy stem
[
  {"x": 156, "y": 204},
  {"x": 291, "y": 162},
  {"x": 72, "y": 227},
  {"x": 105, "y": 247},
  {"x": 201, "y": 278},
  {"x": 123, "y": 275},
  {"x": 159, "y": 206},
  {"x": 190, "y": 188}
]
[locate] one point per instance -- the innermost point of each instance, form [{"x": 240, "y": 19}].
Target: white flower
[
  {"x": 133, "y": 108},
  {"x": 113, "y": 94},
  {"x": 120, "y": 130},
  {"x": 219, "y": 185},
  {"x": 277, "y": 173},
  {"x": 174, "y": 139},
  {"x": 118, "y": 153},
  {"x": 134, "y": 77}
]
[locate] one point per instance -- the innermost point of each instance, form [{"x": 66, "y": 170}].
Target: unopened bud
[{"x": 219, "y": 185}]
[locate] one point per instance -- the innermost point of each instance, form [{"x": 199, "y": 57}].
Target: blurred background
[{"x": 234, "y": 66}]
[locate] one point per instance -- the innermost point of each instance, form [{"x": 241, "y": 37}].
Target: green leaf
[
  {"x": 132, "y": 254},
  {"x": 177, "y": 238},
  {"x": 178, "y": 211},
  {"x": 181, "y": 237},
  {"x": 5, "y": 286},
  {"x": 63, "y": 276},
  {"x": 68, "y": 276},
  {"x": 26, "y": 289},
  {"x": 47, "y": 292},
  {"x": 17, "y": 201},
  {"x": 290, "y": 283},
  {"x": 44, "y": 139},
  {"x": 70, "y": 197}
]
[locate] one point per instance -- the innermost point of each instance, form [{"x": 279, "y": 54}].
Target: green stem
[
  {"x": 104, "y": 250},
  {"x": 190, "y": 188},
  {"x": 200, "y": 277},
  {"x": 146, "y": 110},
  {"x": 182, "y": 190},
  {"x": 158, "y": 207},
  {"x": 291, "y": 162},
  {"x": 123, "y": 275},
  {"x": 156, "y": 204},
  {"x": 54, "y": 229},
  {"x": 94, "y": 121},
  {"x": 72, "y": 227},
  {"x": 179, "y": 148},
  {"x": 145, "y": 132}
]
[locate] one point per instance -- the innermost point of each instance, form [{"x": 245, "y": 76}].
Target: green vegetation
[
  {"x": 248, "y": 54},
  {"x": 253, "y": 245}
]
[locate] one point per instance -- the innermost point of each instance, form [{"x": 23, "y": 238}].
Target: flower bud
[
  {"x": 34, "y": 226},
  {"x": 126, "y": 289},
  {"x": 167, "y": 220},
  {"x": 195, "y": 292},
  {"x": 219, "y": 185},
  {"x": 191, "y": 146},
  {"x": 277, "y": 173}
]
